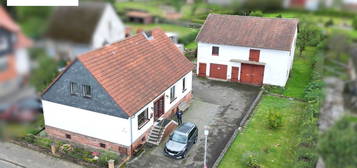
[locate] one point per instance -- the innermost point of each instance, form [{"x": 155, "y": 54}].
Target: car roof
[{"x": 185, "y": 128}]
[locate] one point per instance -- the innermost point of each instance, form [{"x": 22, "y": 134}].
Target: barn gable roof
[{"x": 249, "y": 31}]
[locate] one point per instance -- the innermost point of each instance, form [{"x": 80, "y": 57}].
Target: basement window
[
  {"x": 87, "y": 91},
  {"x": 68, "y": 136},
  {"x": 143, "y": 118},
  {"x": 215, "y": 51},
  {"x": 102, "y": 145}
]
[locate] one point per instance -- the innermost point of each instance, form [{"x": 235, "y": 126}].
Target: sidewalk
[{"x": 14, "y": 156}]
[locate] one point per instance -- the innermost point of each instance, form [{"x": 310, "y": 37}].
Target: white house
[
  {"x": 247, "y": 49},
  {"x": 111, "y": 97},
  {"x": 76, "y": 30}
]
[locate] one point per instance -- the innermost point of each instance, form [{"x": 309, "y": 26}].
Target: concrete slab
[{"x": 220, "y": 106}]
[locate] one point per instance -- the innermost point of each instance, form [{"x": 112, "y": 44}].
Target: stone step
[{"x": 152, "y": 142}]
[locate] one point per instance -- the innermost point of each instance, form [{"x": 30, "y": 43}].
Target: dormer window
[
  {"x": 148, "y": 35},
  {"x": 87, "y": 91},
  {"x": 215, "y": 51},
  {"x": 74, "y": 88}
]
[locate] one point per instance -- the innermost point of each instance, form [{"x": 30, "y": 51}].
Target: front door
[
  {"x": 159, "y": 107},
  {"x": 235, "y": 74}
]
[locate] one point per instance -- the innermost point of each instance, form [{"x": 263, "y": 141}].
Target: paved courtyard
[{"x": 219, "y": 105}]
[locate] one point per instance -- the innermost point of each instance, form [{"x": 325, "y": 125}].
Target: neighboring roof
[
  {"x": 249, "y": 31},
  {"x": 9, "y": 24},
  {"x": 138, "y": 14},
  {"x": 136, "y": 70},
  {"x": 75, "y": 24}
]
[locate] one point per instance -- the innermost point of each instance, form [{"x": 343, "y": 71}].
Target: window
[
  {"x": 68, "y": 136},
  {"x": 3, "y": 43},
  {"x": 3, "y": 64},
  {"x": 215, "y": 51},
  {"x": 102, "y": 145},
  {"x": 172, "y": 94},
  {"x": 143, "y": 118},
  {"x": 87, "y": 91},
  {"x": 74, "y": 88},
  {"x": 183, "y": 85}
]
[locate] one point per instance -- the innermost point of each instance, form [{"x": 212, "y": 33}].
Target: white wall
[
  {"x": 103, "y": 31},
  {"x": 276, "y": 70},
  {"x": 97, "y": 125},
  {"x": 109, "y": 128},
  {"x": 22, "y": 61},
  {"x": 179, "y": 94}
]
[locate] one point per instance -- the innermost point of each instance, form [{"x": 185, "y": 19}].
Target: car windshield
[{"x": 178, "y": 138}]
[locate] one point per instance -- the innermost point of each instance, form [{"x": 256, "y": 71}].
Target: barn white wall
[
  {"x": 105, "y": 32},
  {"x": 136, "y": 132},
  {"x": 276, "y": 70},
  {"x": 97, "y": 125}
]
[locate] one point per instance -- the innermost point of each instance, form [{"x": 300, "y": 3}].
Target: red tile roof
[
  {"x": 136, "y": 70},
  {"x": 9, "y": 24},
  {"x": 249, "y": 31}
]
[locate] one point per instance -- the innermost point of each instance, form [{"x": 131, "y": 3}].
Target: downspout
[{"x": 131, "y": 136}]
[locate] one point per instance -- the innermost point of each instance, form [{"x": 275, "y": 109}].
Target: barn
[{"x": 246, "y": 49}]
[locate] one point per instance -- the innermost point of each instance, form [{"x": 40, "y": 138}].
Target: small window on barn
[
  {"x": 102, "y": 145},
  {"x": 143, "y": 118},
  {"x": 184, "y": 85},
  {"x": 215, "y": 51},
  {"x": 87, "y": 91},
  {"x": 172, "y": 94},
  {"x": 68, "y": 136},
  {"x": 73, "y": 88}
]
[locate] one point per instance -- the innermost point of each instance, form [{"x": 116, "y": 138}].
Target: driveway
[{"x": 220, "y": 105}]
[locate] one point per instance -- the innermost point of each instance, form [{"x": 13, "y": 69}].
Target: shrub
[
  {"x": 251, "y": 159},
  {"x": 66, "y": 148},
  {"x": 188, "y": 38},
  {"x": 275, "y": 119},
  {"x": 354, "y": 23},
  {"x": 43, "y": 142},
  {"x": 105, "y": 156},
  {"x": 257, "y": 13},
  {"x": 329, "y": 23},
  {"x": 338, "y": 145},
  {"x": 29, "y": 138}
]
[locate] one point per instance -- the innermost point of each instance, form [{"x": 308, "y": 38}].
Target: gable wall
[
  {"x": 277, "y": 68},
  {"x": 104, "y": 33}
]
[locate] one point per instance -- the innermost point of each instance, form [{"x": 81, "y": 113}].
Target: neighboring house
[
  {"x": 247, "y": 49},
  {"x": 174, "y": 38},
  {"x": 14, "y": 59},
  {"x": 118, "y": 92},
  {"x": 350, "y": 5},
  {"x": 140, "y": 17},
  {"x": 303, "y": 4},
  {"x": 76, "y": 30}
]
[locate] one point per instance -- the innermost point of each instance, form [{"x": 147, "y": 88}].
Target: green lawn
[
  {"x": 275, "y": 148},
  {"x": 299, "y": 76},
  {"x": 182, "y": 31},
  {"x": 152, "y": 7}
]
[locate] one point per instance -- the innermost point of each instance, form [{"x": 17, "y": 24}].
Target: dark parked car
[
  {"x": 181, "y": 140},
  {"x": 24, "y": 110}
]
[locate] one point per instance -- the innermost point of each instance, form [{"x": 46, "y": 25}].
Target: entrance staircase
[{"x": 156, "y": 133}]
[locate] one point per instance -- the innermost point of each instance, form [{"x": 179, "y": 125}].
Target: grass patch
[
  {"x": 299, "y": 76},
  {"x": 149, "y": 6},
  {"x": 182, "y": 31},
  {"x": 275, "y": 147}
]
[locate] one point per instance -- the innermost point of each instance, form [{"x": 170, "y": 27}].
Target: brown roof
[
  {"x": 138, "y": 14},
  {"x": 249, "y": 31},
  {"x": 137, "y": 70},
  {"x": 75, "y": 24}
]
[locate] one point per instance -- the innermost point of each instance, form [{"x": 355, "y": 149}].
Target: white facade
[
  {"x": 106, "y": 127},
  {"x": 278, "y": 63},
  {"x": 22, "y": 61},
  {"x": 109, "y": 29}
]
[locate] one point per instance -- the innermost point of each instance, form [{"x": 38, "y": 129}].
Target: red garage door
[
  {"x": 218, "y": 71},
  {"x": 252, "y": 74}
]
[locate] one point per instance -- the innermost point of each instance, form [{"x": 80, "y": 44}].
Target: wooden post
[
  {"x": 110, "y": 163},
  {"x": 53, "y": 148}
]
